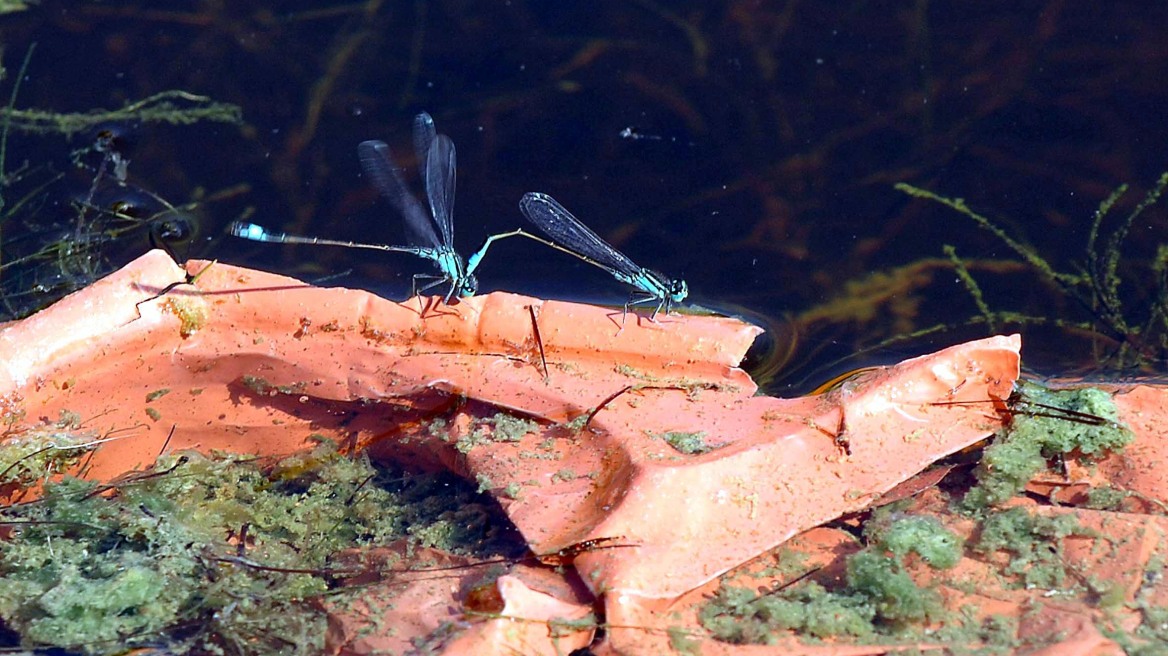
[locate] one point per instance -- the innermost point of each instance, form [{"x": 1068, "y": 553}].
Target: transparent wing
[
  {"x": 378, "y": 164},
  {"x": 566, "y": 230},
  {"x": 424, "y": 133},
  {"x": 441, "y": 177}
]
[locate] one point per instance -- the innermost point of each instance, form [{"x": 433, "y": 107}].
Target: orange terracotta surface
[
  {"x": 247, "y": 361},
  {"x": 101, "y": 358},
  {"x": 527, "y": 607}
]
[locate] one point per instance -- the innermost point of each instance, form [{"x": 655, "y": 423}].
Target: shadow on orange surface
[{"x": 584, "y": 431}]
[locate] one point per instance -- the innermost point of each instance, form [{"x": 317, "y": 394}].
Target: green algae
[
  {"x": 1033, "y": 543},
  {"x": 1046, "y": 424},
  {"x": 38, "y": 455},
  {"x": 877, "y": 599},
  {"x": 223, "y": 554},
  {"x": 501, "y": 427},
  {"x": 922, "y": 535},
  {"x": 689, "y": 443}
]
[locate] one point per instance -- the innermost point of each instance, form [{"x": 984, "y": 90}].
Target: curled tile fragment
[
  {"x": 788, "y": 465},
  {"x": 642, "y": 455},
  {"x": 238, "y": 359}
]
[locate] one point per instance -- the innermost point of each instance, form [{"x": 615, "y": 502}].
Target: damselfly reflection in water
[
  {"x": 570, "y": 235},
  {"x": 432, "y": 236}
]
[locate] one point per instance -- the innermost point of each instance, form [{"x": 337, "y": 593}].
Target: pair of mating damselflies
[{"x": 433, "y": 236}]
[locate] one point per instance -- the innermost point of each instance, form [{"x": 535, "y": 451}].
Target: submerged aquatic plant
[
  {"x": 45, "y": 256},
  {"x": 1136, "y": 332},
  {"x": 11, "y": 6}
]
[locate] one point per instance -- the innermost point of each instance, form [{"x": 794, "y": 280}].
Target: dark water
[{"x": 749, "y": 147}]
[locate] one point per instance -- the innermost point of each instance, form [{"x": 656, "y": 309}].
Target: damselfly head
[
  {"x": 678, "y": 290},
  {"x": 113, "y": 136},
  {"x": 173, "y": 227}
]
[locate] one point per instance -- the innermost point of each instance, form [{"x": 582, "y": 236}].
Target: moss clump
[
  {"x": 1149, "y": 637},
  {"x": 509, "y": 428},
  {"x": 564, "y": 475},
  {"x": 39, "y": 454},
  {"x": 897, "y": 599},
  {"x": 741, "y": 616},
  {"x": 500, "y": 428},
  {"x": 692, "y": 444},
  {"x": 157, "y": 394},
  {"x": 191, "y": 312},
  {"x": 1106, "y": 498},
  {"x": 1092, "y": 430},
  {"x": 216, "y": 555},
  {"x": 925, "y": 536},
  {"x": 1046, "y": 424},
  {"x": 878, "y": 597},
  {"x": 1034, "y": 543},
  {"x": 512, "y": 490},
  {"x": 682, "y": 642}
]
